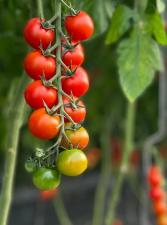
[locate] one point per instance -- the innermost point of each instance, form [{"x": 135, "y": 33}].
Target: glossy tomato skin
[
  {"x": 157, "y": 194},
  {"x": 79, "y": 138},
  {"x": 162, "y": 220},
  {"x": 80, "y": 27},
  {"x": 36, "y": 65},
  {"x": 154, "y": 176},
  {"x": 46, "y": 179},
  {"x": 73, "y": 57},
  {"x": 35, "y": 34},
  {"x": 78, "y": 84},
  {"x": 160, "y": 207},
  {"x": 35, "y": 93},
  {"x": 43, "y": 125},
  {"x": 72, "y": 162},
  {"x": 77, "y": 114},
  {"x": 48, "y": 194}
]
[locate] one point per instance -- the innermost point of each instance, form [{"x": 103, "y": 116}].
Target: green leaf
[
  {"x": 138, "y": 59},
  {"x": 120, "y": 23},
  {"x": 157, "y": 28}
]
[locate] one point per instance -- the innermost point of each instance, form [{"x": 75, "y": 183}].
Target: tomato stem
[
  {"x": 128, "y": 147},
  {"x": 40, "y": 8},
  {"x": 74, "y": 12}
]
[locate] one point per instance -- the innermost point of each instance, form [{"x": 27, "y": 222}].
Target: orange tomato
[
  {"x": 79, "y": 138},
  {"x": 160, "y": 207},
  {"x": 162, "y": 220}
]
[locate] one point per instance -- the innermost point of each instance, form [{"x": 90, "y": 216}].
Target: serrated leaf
[
  {"x": 138, "y": 59},
  {"x": 157, "y": 28},
  {"x": 120, "y": 23}
]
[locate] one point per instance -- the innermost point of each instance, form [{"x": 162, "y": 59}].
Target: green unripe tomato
[
  {"x": 46, "y": 179},
  {"x": 72, "y": 162}
]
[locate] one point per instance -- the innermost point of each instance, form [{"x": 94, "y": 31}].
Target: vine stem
[
  {"x": 11, "y": 150},
  {"x": 99, "y": 203},
  {"x": 40, "y": 8},
  {"x": 61, "y": 211},
  {"x": 128, "y": 147}
]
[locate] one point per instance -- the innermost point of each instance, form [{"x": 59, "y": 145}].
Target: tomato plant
[
  {"x": 37, "y": 65},
  {"x": 36, "y": 94},
  {"x": 72, "y": 162},
  {"x": 46, "y": 179},
  {"x": 78, "y": 138},
  {"x": 73, "y": 56},
  {"x": 76, "y": 109},
  {"x": 36, "y": 35},
  {"x": 43, "y": 125},
  {"x": 78, "y": 84},
  {"x": 48, "y": 194},
  {"x": 80, "y": 27}
]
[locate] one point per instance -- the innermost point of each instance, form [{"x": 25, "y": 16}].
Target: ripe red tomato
[
  {"x": 162, "y": 220},
  {"x": 36, "y": 65},
  {"x": 80, "y": 27},
  {"x": 43, "y": 125},
  {"x": 78, "y": 84},
  {"x": 48, "y": 194},
  {"x": 35, "y": 34},
  {"x": 77, "y": 114},
  {"x": 160, "y": 207},
  {"x": 72, "y": 162},
  {"x": 93, "y": 156},
  {"x": 35, "y": 93},
  {"x": 74, "y": 57},
  {"x": 79, "y": 138},
  {"x": 154, "y": 176},
  {"x": 157, "y": 194}
]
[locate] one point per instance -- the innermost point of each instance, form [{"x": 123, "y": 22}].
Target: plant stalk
[
  {"x": 61, "y": 211},
  {"x": 17, "y": 110},
  {"x": 99, "y": 203},
  {"x": 128, "y": 147}
]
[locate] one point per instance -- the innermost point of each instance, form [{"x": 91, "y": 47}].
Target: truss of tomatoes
[
  {"x": 157, "y": 194},
  {"x": 42, "y": 96}
]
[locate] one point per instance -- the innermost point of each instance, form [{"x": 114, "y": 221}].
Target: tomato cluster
[
  {"x": 157, "y": 194},
  {"x": 55, "y": 98}
]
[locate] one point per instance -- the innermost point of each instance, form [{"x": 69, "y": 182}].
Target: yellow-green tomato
[
  {"x": 72, "y": 162},
  {"x": 46, "y": 179}
]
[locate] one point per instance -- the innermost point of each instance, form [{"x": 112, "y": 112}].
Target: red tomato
[
  {"x": 35, "y": 93},
  {"x": 36, "y": 65},
  {"x": 80, "y": 27},
  {"x": 74, "y": 57},
  {"x": 157, "y": 194},
  {"x": 93, "y": 155},
  {"x": 154, "y": 176},
  {"x": 78, "y": 84},
  {"x": 43, "y": 125},
  {"x": 48, "y": 194},
  {"x": 77, "y": 114},
  {"x": 160, "y": 207},
  {"x": 35, "y": 34}
]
